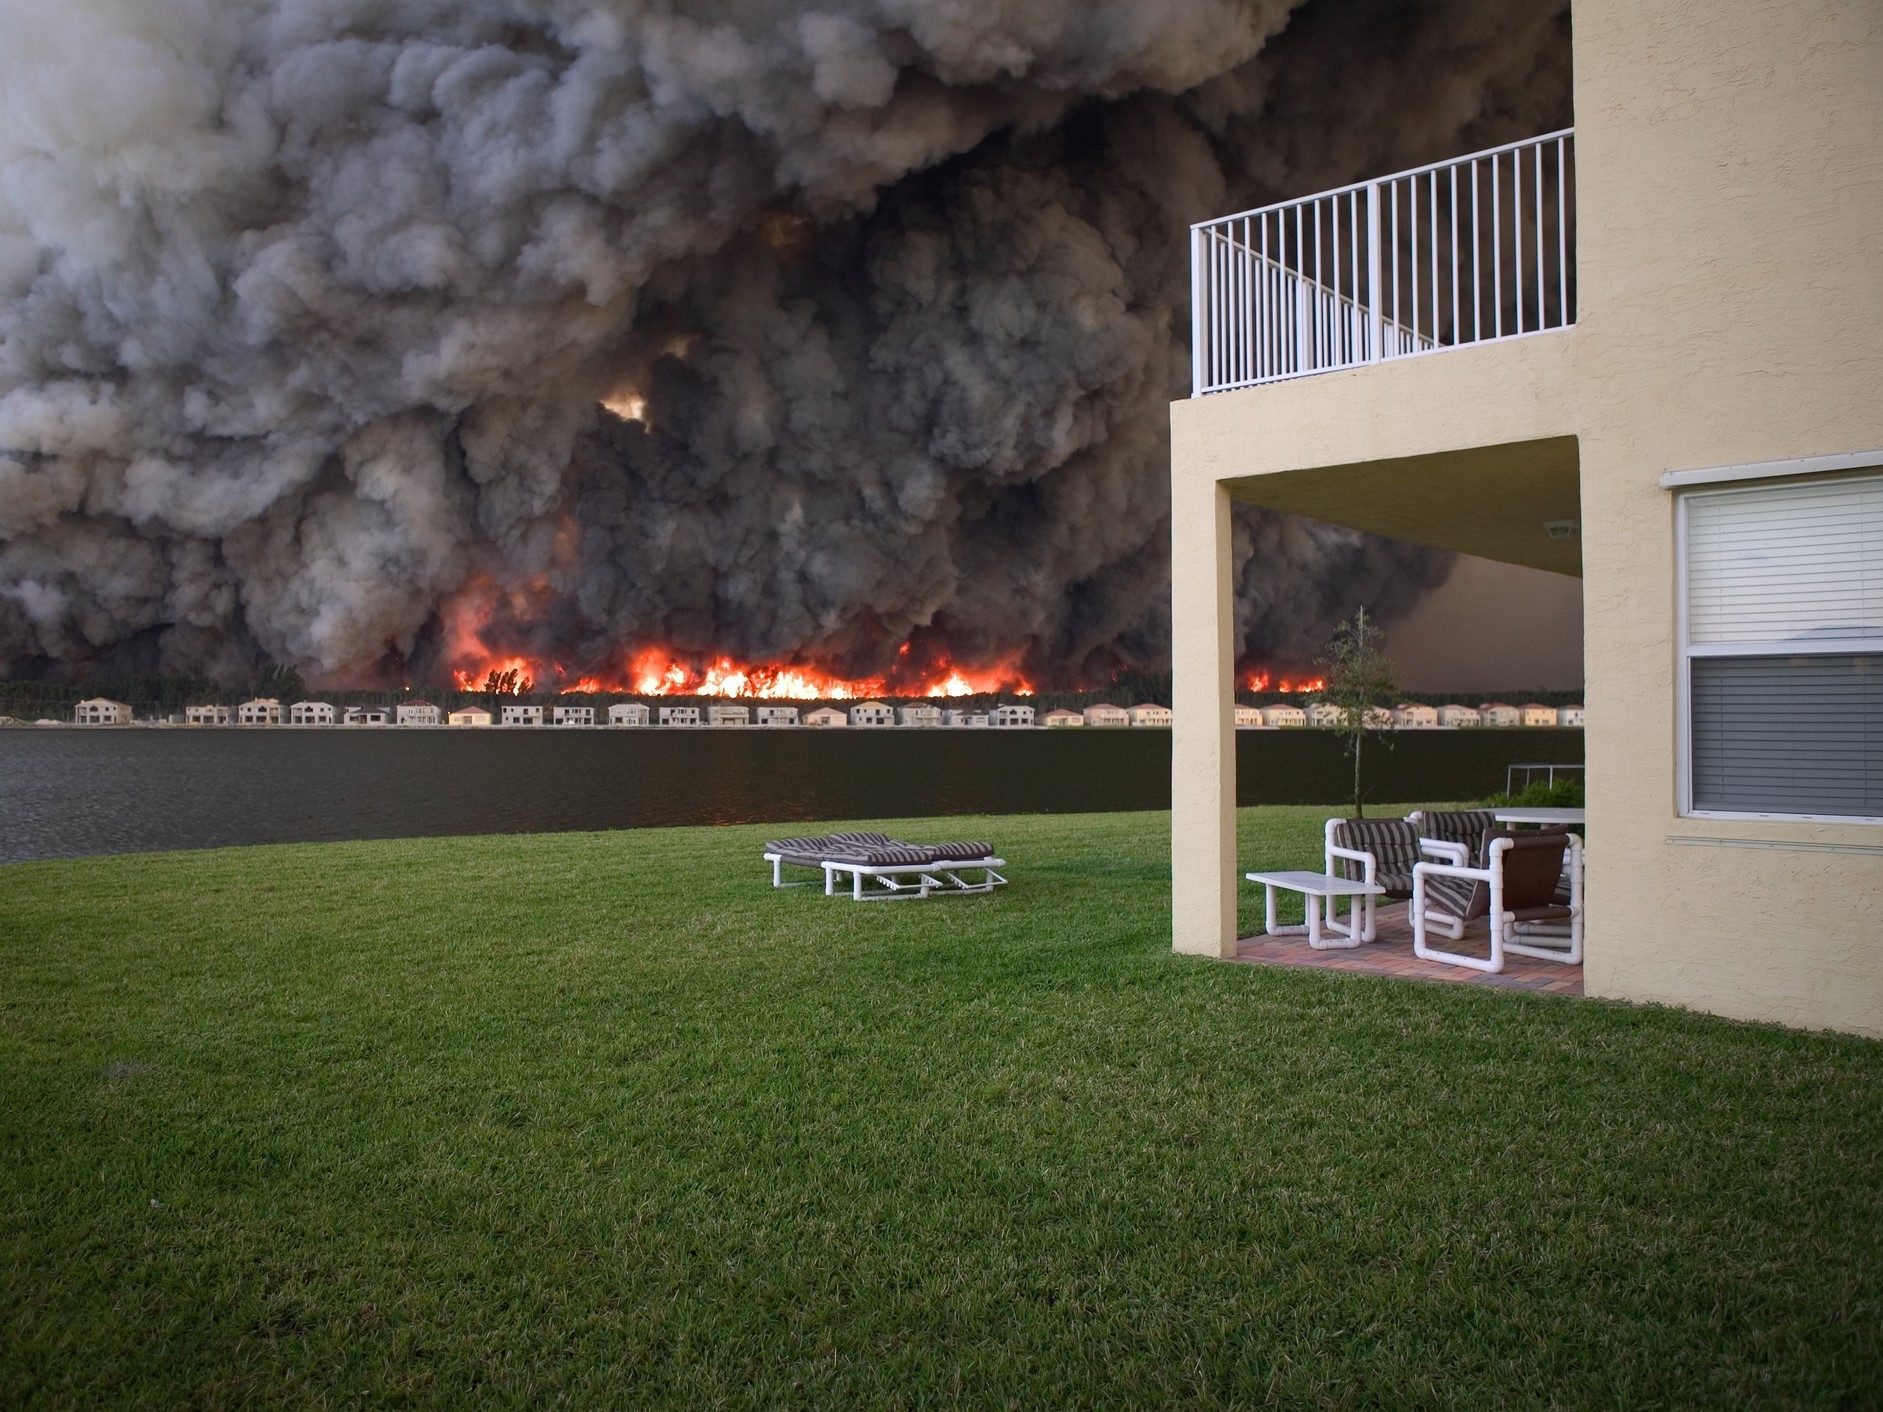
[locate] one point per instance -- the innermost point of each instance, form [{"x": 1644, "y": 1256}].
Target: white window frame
[{"x": 1689, "y": 486}]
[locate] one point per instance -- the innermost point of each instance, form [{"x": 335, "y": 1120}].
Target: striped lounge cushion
[
  {"x": 876, "y": 850},
  {"x": 1467, "y": 899},
  {"x": 1394, "y": 844},
  {"x": 961, "y": 852},
  {"x": 1466, "y": 826}
]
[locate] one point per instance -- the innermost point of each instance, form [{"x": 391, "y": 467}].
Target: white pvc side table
[{"x": 1321, "y": 892}]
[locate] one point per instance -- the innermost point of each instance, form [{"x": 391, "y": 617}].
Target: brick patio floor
[{"x": 1391, "y": 955}]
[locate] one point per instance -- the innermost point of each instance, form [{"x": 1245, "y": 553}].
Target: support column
[{"x": 1203, "y": 744}]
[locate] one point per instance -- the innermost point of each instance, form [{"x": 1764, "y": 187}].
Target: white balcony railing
[{"x": 1466, "y": 251}]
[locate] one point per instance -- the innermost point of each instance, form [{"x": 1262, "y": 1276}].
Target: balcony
[{"x": 1473, "y": 250}]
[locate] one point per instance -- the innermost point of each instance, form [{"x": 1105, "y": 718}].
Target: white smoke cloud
[{"x": 306, "y": 307}]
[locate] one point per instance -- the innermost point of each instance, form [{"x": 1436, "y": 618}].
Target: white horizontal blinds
[
  {"x": 1786, "y": 564},
  {"x": 1785, "y": 649},
  {"x": 1789, "y": 735}
]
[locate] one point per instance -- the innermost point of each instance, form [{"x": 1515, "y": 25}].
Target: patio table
[
  {"x": 1558, "y": 817},
  {"x": 1320, "y": 889}
]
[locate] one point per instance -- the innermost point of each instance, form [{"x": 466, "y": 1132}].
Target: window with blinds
[{"x": 1783, "y": 639}]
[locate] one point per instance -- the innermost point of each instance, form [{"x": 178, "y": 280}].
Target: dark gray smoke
[{"x": 307, "y": 308}]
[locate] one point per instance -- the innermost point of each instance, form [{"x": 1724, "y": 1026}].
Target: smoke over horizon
[{"x": 309, "y": 310}]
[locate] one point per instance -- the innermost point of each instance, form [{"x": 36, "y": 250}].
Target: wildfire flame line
[
  {"x": 657, "y": 673},
  {"x": 1260, "y": 681}
]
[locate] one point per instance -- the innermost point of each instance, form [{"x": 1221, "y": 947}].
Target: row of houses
[
  {"x": 1412, "y": 716},
  {"x": 266, "y": 711}
]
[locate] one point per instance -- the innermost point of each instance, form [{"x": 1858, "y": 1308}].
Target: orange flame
[
  {"x": 654, "y": 672},
  {"x": 919, "y": 670},
  {"x": 1260, "y": 681}
]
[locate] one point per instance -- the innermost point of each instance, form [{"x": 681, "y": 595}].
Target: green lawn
[{"x": 603, "y": 1119}]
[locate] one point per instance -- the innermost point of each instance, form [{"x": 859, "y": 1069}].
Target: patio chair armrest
[
  {"x": 1458, "y": 854},
  {"x": 1355, "y": 855},
  {"x": 1450, "y": 870}
]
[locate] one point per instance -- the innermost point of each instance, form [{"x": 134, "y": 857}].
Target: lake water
[{"x": 66, "y": 793}]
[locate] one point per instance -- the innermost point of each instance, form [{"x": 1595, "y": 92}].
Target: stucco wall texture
[{"x": 1730, "y": 266}]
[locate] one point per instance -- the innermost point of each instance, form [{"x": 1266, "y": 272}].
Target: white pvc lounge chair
[
  {"x": 881, "y": 868},
  {"x": 1515, "y": 893},
  {"x": 1380, "y": 851}
]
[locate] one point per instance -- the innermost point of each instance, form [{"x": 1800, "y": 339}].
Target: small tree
[{"x": 1359, "y": 681}]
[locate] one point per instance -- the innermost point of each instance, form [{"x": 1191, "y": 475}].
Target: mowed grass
[{"x": 604, "y": 1120}]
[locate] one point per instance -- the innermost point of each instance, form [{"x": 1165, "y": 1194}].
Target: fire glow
[
  {"x": 921, "y": 669},
  {"x": 1264, "y": 681},
  {"x": 654, "y": 672}
]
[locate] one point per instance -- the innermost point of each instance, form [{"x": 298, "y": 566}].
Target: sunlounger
[{"x": 882, "y": 868}]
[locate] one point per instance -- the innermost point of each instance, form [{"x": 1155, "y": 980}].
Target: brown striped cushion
[
  {"x": 877, "y": 850},
  {"x": 1463, "y": 898},
  {"x": 961, "y": 852},
  {"x": 1466, "y": 826},
  {"x": 1394, "y": 844}
]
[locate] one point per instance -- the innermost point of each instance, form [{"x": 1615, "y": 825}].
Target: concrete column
[{"x": 1203, "y": 747}]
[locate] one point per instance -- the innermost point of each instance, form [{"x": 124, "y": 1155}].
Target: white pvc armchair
[
  {"x": 1381, "y": 851},
  {"x": 1514, "y": 892}
]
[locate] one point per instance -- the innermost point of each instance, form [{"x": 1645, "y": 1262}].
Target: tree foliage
[
  {"x": 1360, "y": 681},
  {"x": 509, "y": 682}
]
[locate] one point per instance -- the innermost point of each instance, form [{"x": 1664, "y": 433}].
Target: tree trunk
[{"x": 1359, "y": 810}]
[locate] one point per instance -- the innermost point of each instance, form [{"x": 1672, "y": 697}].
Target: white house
[
  {"x": 1496, "y": 713},
  {"x": 679, "y": 715},
  {"x": 921, "y": 715},
  {"x": 1570, "y": 716},
  {"x": 964, "y": 720},
  {"x": 1459, "y": 716},
  {"x": 1061, "y": 718},
  {"x": 310, "y": 713},
  {"x": 522, "y": 715},
  {"x": 629, "y": 713},
  {"x": 728, "y": 715},
  {"x": 1284, "y": 716},
  {"x": 1103, "y": 715},
  {"x": 1537, "y": 714},
  {"x": 1011, "y": 717},
  {"x": 416, "y": 713},
  {"x": 262, "y": 711},
  {"x": 469, "y": 716},
  {"x": 206, "y": 715},
  {"x": 872, "y": 713},
  {"x": 366, "y": 716},
  {"x": 100, "y": 712},
  {"x": 777, "y": 715},
  {"x": 1149, "y": 713},
  {"x": 1410, "y": 715},
  {"x": 825, "y": 718},
  {"x": 1249, "y": 718},
  {"x": 1326, "y": 713},
  {"x": 1378, "y": 717},
  {"x": 572, "y": 715}
]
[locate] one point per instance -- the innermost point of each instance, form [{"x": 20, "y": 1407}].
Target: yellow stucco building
[{"x": 1671, "y": 384}]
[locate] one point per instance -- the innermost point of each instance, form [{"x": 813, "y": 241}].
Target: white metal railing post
[
  {"x": 1374, "y": 284},
  {"x": 1197, "y": 385}
]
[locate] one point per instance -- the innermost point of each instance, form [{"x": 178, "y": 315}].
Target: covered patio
[
  {"x": 1390, "y": 954},
  {"x": 1472, "y": 450}
]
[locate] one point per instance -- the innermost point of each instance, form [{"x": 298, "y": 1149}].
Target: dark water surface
[{"x": 66, "y": 793}]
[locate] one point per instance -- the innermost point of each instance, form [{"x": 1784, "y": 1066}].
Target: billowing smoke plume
[{"x": 308, "y": 309}]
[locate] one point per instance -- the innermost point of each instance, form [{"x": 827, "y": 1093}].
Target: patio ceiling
[{"x": 1491, "y": 501}]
